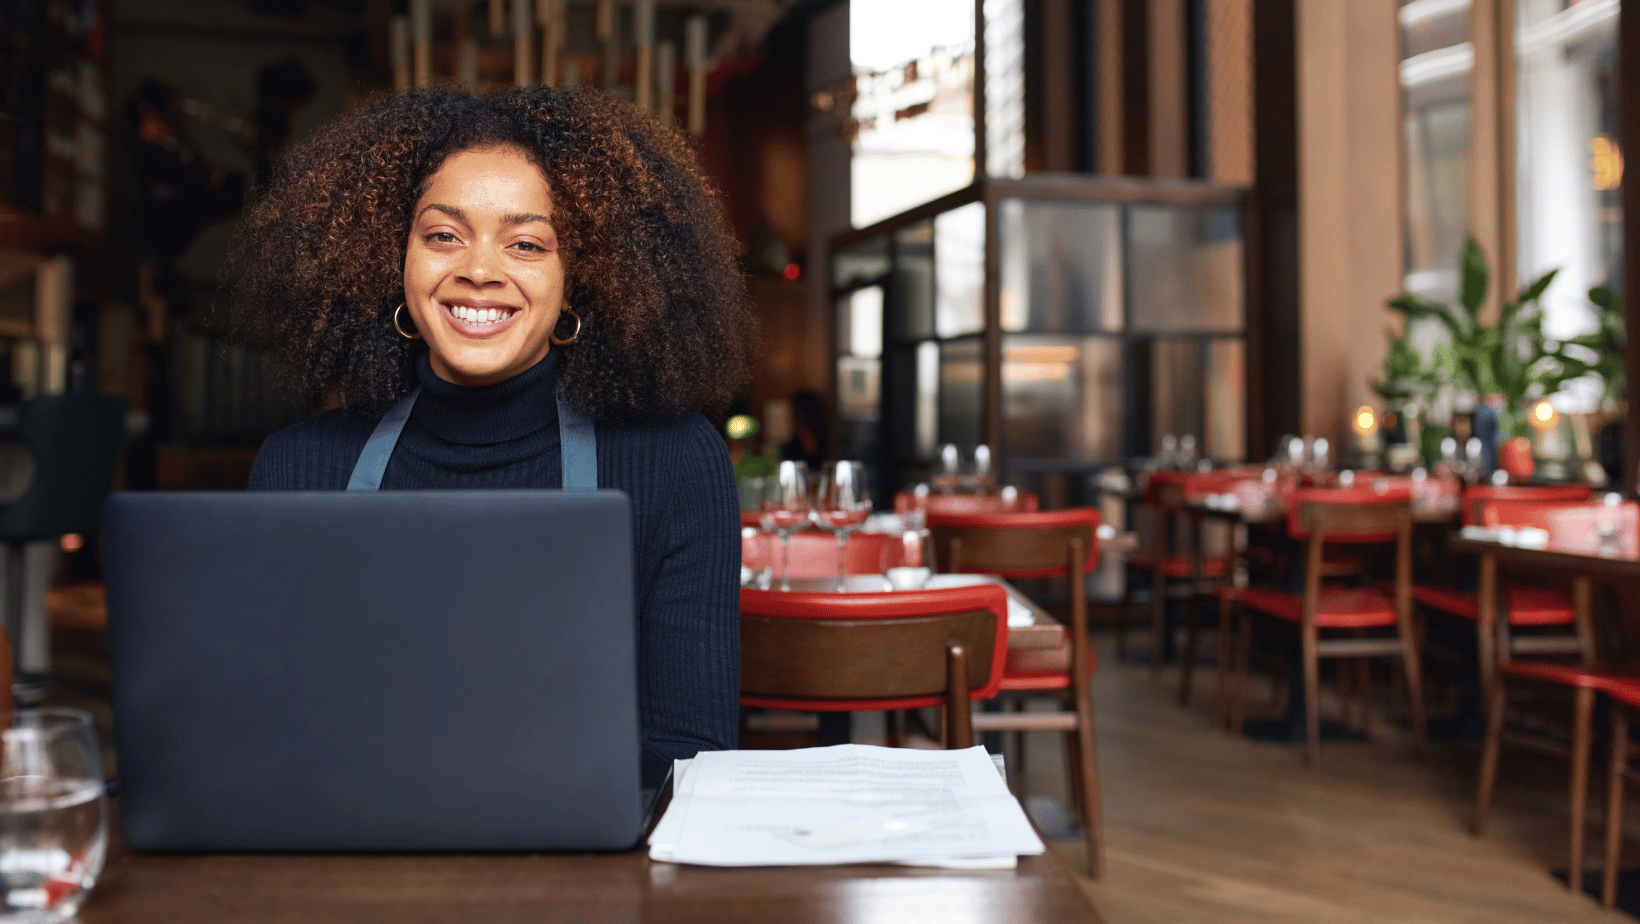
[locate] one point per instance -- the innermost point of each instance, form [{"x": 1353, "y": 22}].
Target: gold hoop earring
[
  {"x": 400, "y": 327},
  {"x": 566, "y": 341}
]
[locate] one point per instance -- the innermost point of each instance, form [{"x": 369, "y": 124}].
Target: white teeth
[{"x": 478, "y": 315}]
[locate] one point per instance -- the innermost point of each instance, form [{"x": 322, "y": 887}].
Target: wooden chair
[
  {"x": 1583, "y": 679},
  {"x": 1624, "y": 691},
  {"x": 1317, "y": 517},
  {"x": 1060, "y": 543},
  {"x": 1523, "y": 604},
  {"x": 1165, "y": 496},
  {"x": 830, "y": 652}
]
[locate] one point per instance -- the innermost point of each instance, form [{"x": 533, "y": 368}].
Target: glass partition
[{"x": 1114, "y": 315}]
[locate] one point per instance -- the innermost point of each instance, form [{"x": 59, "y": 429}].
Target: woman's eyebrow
[
  {"x": 449, "y": 210},
  {"x": 524, "y": 218}
]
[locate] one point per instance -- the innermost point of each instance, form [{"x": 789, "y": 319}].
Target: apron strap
[
  {"x": 368, "y": 471},
  {"x": 577, "y": 443}
]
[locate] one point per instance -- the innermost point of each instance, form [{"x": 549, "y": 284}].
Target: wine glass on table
[
  {"x": 841, "y": 505},
  {"x": 785, "y": 510}
]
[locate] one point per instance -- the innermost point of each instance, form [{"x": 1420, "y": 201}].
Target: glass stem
[
  {"x": 785, "y": 561},
  {"x": 842, "y": 560}
]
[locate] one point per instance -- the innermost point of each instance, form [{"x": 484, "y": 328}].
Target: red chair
[
  {"x": 1060, "y": 543},
  {"x": 1582, "y": 678},
  {"x": 1165, "y": 496},
  {"x": 1317, "y": 517},
  {"x": 1520, "y": 605},
  {"x": 814, "y": 553},
  {"x": 1624, "y": 690},
  {"x": 829, "y": 652}
]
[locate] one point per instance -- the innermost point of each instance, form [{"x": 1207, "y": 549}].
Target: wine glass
[
  {"x": 841, "y": 505},
  {"x": 786, "y": 510},
  {"x": 981, "y": 477}
]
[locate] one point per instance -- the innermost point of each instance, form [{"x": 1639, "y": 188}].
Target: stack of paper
[{"x": 852, "y": 803}]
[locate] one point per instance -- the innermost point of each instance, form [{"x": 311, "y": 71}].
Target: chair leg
[
  {"x": 1158, "y": 619},
  {"x": 1187, "y": 662},
  {"x": 1488, "y": 775},
  {"x": 1614, "y": 802},
  {"x": 1122, "y": 613},
  {"x": 1412, "y": 664},
  {"x": 1221, "y": 673},
  {"x": 1363, "y": 672},
  {"x": 1312, "y": 698},
  {"x": 1238, "y": 701},
  {"x": 1583, "y": 707},
  {"x": 1087, "y": 781}
]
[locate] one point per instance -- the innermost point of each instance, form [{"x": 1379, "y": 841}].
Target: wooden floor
[{"x": 1202, "y": 827}]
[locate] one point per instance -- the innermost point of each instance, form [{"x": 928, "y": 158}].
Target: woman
[{"x": 488, "y": 265}]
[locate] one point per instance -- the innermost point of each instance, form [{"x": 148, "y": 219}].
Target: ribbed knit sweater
[{"x": 685, "y": 524}]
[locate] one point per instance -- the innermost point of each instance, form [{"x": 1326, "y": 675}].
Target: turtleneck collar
[{"x": 488, "y": 414}]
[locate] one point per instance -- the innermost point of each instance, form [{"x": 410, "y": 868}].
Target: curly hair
[{"x": 651, "y": 266}]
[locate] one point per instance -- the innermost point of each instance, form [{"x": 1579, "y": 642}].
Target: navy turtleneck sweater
[{"x": 685, "y": 524}]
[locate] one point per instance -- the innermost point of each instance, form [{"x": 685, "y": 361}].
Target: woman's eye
[
  {"x": 530, "y": 246},
  {"x": 440, "y": 237}
]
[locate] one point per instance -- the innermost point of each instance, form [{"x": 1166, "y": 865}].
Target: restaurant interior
[{"x": 1270, "y": 354}]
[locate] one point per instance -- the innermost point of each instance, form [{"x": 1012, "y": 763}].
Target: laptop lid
[{"x": 374, "y": 671}]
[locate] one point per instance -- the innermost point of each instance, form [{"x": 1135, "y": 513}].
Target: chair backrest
[
  {"x": 1353, "y": 515},
  {"x": 814, "y": 552},
  {"x": 878, "y": 651},
  {"x": 1480, "y": 494},
  {"x": 1014, "y": 545},
  {"x": 1028, "y": 545},
  {"x": 74, "y": 442}
]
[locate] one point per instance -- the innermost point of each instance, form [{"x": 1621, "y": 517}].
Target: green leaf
[
  {"x": 1534, "y": 291},
  {"x": 1474, "y": 279}
]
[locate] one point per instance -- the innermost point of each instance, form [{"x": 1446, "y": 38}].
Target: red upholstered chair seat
[
  {"x": 1527, "y": 606},
  {"x": 1568, "y": 675},
  {"x": 1338, "y": 607}
]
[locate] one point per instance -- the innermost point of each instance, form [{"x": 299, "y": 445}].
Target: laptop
[{"x": 374, "y": 670}]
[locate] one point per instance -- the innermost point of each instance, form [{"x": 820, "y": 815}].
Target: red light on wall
[
  {"x": 791, "y": 272},
  {"x": 73, "y": 542}
]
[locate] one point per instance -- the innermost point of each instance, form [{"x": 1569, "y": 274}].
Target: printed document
[{"x": 851, "y": 803}]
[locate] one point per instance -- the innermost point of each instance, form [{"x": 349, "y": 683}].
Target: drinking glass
[
  {"x": 948, "y": 474},
  {"x": 841, "y": 505},
  {"x": 981, "y": 477},
  {"x": 786, "y": 510},
  {"x": 53, "y": 818},
  {"x": 908, "y": 559}
]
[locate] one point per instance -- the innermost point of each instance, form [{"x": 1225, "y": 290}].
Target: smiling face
[{"x": 482, "y": 277}]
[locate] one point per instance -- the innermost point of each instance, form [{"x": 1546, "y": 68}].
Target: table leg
[{"x": 1486, "y": 616}]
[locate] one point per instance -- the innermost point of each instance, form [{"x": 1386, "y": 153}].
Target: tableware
[
  {"x": 841, "y": 505},
  {"x": 906, "y": 578},
  {"x": 53, "y": 817},
  {"x": 786, "y": 510}
]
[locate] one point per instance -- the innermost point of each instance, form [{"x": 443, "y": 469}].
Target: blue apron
[{"x": 577, "y": 442}]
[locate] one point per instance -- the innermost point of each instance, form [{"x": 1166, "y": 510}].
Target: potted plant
[{"x": 1503, "y": 366}]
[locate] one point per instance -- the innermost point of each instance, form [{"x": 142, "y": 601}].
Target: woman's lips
[{"x": 473, "y": 319}]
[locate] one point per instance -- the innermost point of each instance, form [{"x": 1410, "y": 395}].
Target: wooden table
[{"x": 571, "y": 888}]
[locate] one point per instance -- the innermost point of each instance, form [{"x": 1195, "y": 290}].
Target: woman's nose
[{"x": 480, "y": 267}]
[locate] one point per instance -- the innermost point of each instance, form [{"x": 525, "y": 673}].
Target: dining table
[{"x": 612, "y": 888}]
